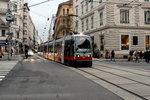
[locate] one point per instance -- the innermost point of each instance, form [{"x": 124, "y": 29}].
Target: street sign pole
[
  {"x": 9, "y": 45},
  {"x": 9, "y": 18}
]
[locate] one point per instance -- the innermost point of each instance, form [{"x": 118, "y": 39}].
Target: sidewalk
[
  {"x": 103, "y": 59},
  {"x": 12, "y": 58}
]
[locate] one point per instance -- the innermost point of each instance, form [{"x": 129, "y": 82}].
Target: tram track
[
  {"x": 124, "y": 76},
  {"x": 124, "y": 70},
  {"x": 116, "y": 85}
]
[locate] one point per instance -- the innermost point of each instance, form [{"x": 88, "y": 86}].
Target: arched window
[
  {"x": 67, "y": 11},
  {"x": 63, "y": 11}
]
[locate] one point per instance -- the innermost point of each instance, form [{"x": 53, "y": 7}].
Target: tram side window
[
  {"x": 58, "y": 47},
  {"x": 72, "y": 47},
  {"x": 67, "y": 48}
]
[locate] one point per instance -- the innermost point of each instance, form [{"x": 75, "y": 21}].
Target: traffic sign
[
  {"x": 3, "y": 44},
  {"x": 9, "y": 17}
]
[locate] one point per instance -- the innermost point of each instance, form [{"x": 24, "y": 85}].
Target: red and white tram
[{"x": 70, "y": 50}]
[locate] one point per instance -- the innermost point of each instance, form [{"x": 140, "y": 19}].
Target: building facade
[
  {"x": 120, "y": 25},
  {"x": 24, "y": 31},
  {"x": 63, "y": 23},
  {"x": 3, "y": 24},
  {"x": 30, "y": 33},
  {"x": 16, "y": 6}
]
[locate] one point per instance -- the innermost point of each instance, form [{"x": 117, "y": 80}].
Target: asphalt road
[{"x": 37, "y": 79}]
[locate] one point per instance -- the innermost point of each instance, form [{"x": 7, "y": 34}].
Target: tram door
[{"x": 147, "y": 42}]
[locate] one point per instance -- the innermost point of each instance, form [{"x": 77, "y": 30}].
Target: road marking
[{"x": 6, "y": 67}]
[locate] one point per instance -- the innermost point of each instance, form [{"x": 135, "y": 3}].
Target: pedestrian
[
  {"x": 136, "y": 54},
  {"x": 106, "y": 54},
  {"x": 0, "y": 53},
  {"x": 141, "y": 55},
  {"x": 11, "y": 52},
  {"x": 26, "y": 53},
  {"x": 147, "y": 56},
  {"x": 130, "y": 55},
  {"x": 112, "y": 55}
]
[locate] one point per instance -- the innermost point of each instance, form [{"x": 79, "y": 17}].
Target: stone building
[
  {"x": 29, "y": 30},
  {"x": 63, "y": 23},
  {"x": 16, "y": 6},
  {"x": 3, "y": 23},
  {"x": 120, "y": 25}
]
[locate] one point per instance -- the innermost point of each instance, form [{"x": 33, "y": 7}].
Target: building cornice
[{"x": 117, "y": 27}]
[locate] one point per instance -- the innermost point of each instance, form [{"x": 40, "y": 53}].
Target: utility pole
[{"x": 9, "y": 18}]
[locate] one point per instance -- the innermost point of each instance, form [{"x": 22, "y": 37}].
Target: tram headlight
[
  {"x": 89, "y": 55},
  {"x": 77, "y": 55}
]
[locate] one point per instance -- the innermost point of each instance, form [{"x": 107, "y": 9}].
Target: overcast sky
[{"x": 41, "y": 13}]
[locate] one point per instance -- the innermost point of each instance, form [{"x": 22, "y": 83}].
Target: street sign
[
  {"x": 3, "y": 44},
  {"x": 9, "y": 17}
]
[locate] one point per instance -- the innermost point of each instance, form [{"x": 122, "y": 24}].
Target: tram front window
[{"x": 83, "y": 45}]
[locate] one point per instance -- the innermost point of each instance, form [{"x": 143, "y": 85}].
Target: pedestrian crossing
[{"x": 6, "y": 67}]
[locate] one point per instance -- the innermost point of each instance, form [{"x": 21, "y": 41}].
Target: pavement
[{"x": 7, "y": 65}]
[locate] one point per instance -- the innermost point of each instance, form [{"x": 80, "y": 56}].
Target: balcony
[
  {"x": 3, "y": 24},
  {"x": 3, "y": 10}
]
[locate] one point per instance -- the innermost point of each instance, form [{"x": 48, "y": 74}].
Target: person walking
[
  {"x": 112, "y": 55},
  {"x": 26, "y": 53},
  {"x": 136, "y": 54},
  {"x": 106, "y": 54},
  {"x": 147, "y": 56},
  {"x": 11, "y": 52}
]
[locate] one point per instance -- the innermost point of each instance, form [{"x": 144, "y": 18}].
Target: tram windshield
[{"x": 83, "y": 45}]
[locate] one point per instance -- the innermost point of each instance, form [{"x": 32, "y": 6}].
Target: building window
[
  {"x": 147, "y": 0},
  {"x": 3, "y": 32},
  {"x": 25, "y": 17},
  {"x": 64, "y": 21},
  {"x": 17, "y": 35},
  {"x": 124, "y": 42},
  {"x": 87, "y": 24},
  {"x": 147, "y": 42},
  {"x": 91, "y": 4},
  {"x": 92, "y": 22},
  {"x": 124, "y": 16},
  {"x": 86, "y": 5},
  {"x": 82, "y": 7},
  {"x": 147, "y": 17},
  {"x": 135, "y": 40},
  {"x": 76, "y": 10},
  {"x": 15, "y": 21},
  {"x": 67, "y": 11},
  {"x": 82, "y": 25},
  {"x": 101, "y": 18},
  {"x": 63, "y": 11},
  {"x": 76, "y": 26},
  {"x": 14, "y": 7}
]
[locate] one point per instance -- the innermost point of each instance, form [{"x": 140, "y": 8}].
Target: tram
[{"x": 70, "y": 50}]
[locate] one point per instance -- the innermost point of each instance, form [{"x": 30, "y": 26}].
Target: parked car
[{"x": 30, "y": 52}]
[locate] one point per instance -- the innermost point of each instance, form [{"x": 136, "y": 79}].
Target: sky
[{"x": 41, "y": 13}]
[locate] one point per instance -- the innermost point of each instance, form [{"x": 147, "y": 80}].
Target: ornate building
[
  {"x": 64, "y": 22},
  {"x": 120, "y": 25}
]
